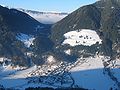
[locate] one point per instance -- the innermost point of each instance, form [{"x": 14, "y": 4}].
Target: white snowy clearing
[
  {"x": 26, "y": 39},
  {"x": 84, "y": 37}
]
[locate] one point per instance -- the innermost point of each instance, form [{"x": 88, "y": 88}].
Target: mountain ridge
[
  {"x": 103, "y": 20},
  {"x": 13, "y": 24},
  {"x": 45, "y": 17},
  {"x": 80, "y": 51}
]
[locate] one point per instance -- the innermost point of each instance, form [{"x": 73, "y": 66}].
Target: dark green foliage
[
  {"x": 10, "y": 47},
  {"x": 61, "y": 56},
  {"x": 18, "y": 21},
  {"x": 42, "y": 45}
]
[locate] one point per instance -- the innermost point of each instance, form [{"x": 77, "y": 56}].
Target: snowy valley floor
[{"x": 90, "y": 73}]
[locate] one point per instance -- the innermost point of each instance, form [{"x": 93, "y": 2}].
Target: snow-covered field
[
  {"x": 91, "y": 75},
  {"x": 87, "y": 73},
  {"x": 84, "y": 37}
]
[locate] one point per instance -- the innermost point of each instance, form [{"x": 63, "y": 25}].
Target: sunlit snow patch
[
  {"x": 68, "y": 52},
  {"x": 84, "y": 37},
  {"x": 26, "y": 39},
  {"x": 50, "y": 59}
]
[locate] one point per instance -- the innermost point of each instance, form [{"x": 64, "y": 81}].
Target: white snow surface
[
  {"x": 12, "y": 78},
  {"x": 1, "y": 59},
  {"x": 91, "y": 75},
  {"x": 68, "y": 52},
  {"x": 26, "y": 39},
  {"x": 50, "y": 59},
  {"x": 87, "y": 73},
  {"x": 84, "y": 37}
]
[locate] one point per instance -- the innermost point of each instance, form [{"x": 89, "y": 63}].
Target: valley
[{"x": 78, "y": 50}]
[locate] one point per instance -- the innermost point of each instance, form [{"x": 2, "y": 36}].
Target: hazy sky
[{"x": 47, "y": 5}]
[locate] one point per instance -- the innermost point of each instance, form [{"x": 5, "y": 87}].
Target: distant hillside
[
  {"x": 21, "y": 22},
  {"x": 45, "y": 17}
]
